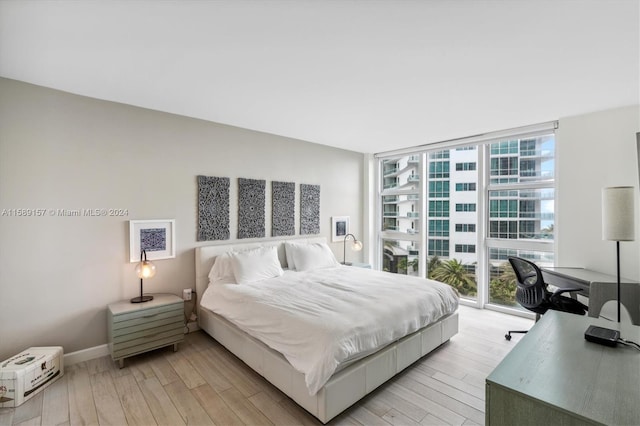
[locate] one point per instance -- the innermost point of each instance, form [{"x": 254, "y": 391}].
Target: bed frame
[{"x": 346, "y": 386}]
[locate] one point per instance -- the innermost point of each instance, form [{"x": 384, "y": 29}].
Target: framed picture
[
  {"x": 339, "y": 228},
  {"x": 156, "y": 237}
]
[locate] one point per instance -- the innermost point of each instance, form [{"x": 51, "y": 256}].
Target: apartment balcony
[
  {"x": 390, "y": 214},
  {"x": 413, "y": 215},
  {"x": 538, "y": 153},
  {"x": 409, "y": 167},
  {"x": 412, "y": 231},
  {"x": 390, "y": 171},
  {"x": 548, "y": 216},
  {"x": 413, "y": 178},
  {"x": 390, "y": 199},
  {"x": 413, "y": 159}
]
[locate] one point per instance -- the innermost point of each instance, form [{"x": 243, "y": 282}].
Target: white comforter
[{"x": 321, "y": 318}]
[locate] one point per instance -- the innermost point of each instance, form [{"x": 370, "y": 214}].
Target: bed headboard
[{"x": 206, "y": 255}]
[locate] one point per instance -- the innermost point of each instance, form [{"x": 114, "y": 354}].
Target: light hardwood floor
[{"x": 204, "y": 384}]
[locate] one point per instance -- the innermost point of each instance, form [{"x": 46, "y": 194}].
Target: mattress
[{"x": 321, "y": 320}]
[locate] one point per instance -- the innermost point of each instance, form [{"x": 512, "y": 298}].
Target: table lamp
[
  {"x": 144, "y": 269},
  {"x": 618, "y": 220},
  {"x": 355, "y": 246}
]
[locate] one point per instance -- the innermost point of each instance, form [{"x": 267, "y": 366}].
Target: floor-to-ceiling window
[
  {"x": 455, "y": 213},
  {"x": 401, "y": 188},
  {"x": 521, "y": 200}
]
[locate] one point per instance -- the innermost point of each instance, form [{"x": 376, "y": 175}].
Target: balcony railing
[
  {"x": 546, "y": 153},
  {"x": 390, "y": 171}
]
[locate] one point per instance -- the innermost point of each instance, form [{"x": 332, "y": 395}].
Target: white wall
[
  {"x": 595, "y": 151},
  {"x": 61, "y": 151}
]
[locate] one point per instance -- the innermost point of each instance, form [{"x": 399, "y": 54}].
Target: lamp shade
[
  {"x": 618, "y": 216},
  {"x": 356, "y": 246},
  {"x": 145, "y": 269}
]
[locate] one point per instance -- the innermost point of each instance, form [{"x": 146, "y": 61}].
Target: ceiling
[{"x": 368, "y": 76}]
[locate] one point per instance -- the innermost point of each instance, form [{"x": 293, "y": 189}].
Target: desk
[
  {"x": 598, "y": 287},
  {"x": 554, "y": 376}
]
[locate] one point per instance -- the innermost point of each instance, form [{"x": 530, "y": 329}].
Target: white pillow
[
  {"x": 256, "y": 265},
  {"x": 222, "y": 270},
  {"x": 313, "y": 256},
  {"x": 289, "y": 249}
]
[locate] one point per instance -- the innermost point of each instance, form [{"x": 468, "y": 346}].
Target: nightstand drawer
[
  {"x": 147, "y": 332},
  {"x": 144, "y": 315},
  {"x": 134, "y": 325},
  {"x": 147, "y": 345}
]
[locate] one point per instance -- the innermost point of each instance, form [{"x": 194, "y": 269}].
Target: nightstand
[{"x": 135, "y": 328}]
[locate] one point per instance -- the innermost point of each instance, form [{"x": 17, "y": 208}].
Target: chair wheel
[{"x": 507, "y": 336}]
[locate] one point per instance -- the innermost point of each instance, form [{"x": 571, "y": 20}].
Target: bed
[{"x": 354, "y": 376}]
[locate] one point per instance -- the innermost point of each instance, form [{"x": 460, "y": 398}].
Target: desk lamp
[
  {"x": 618, "y": 219},
  {"x": 144, "y": 269},
  {"x": 355, "y": 246}
]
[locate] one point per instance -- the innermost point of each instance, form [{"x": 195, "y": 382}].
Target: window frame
[{"x": 484, "y": 186}]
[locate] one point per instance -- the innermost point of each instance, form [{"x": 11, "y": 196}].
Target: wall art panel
[
  {"x": 213, "y": 208},
  {"x": 309, "y": 209},
  {"x": 283, "y": 199},
  {"x": 251, "y": 205}
]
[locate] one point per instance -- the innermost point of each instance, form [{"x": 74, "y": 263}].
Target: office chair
[{"x": 532, "y": 293}]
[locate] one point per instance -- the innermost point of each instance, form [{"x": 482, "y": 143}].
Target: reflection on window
[
  {"x": 438, "y": 169},
  {"x": 463, "y": 167},
  {"x": 438, "y": 228},
  {"x": 466, "y": 207},
  {"x": 465, "y": 248},
  {"x": 465, "y": 227},
  {"x": 439, "y": 189},
  {"x": 439, "y": 248},
  {"x": 471, "y": 186},
  {"x": 438, "y": 209}
]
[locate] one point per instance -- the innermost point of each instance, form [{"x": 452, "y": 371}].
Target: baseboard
[
  {"x": 103, "y": 350},
  {"x": 86, "y": 354},
  {"x": 193, "y": 326}
]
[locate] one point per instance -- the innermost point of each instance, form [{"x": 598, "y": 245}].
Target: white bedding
[{"x": 322, "y": 318}]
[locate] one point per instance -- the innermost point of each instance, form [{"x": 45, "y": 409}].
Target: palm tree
[
  {"x": 402, "y": 265},
  {"x": 506, "y": 273},
  {"x": 433, "y": 264},
  {"x": 456, "y": 274},
  {"x": 502, "y": 288},
  {"x": 414, "y": 265}
]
